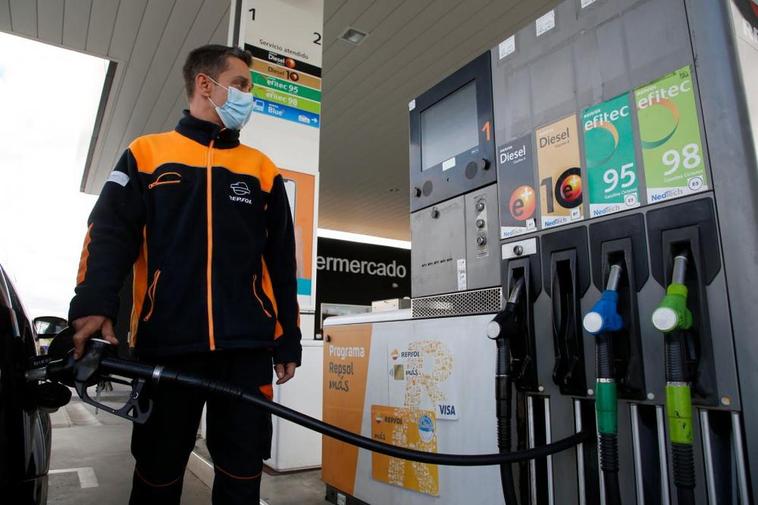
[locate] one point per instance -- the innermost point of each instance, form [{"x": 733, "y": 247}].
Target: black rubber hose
[
  {"x": 612, "y": 489},
  {"x": 674, "y": 358},
  {"x": 684, "y": 473},
  {"x": 503, "y": 398},
  {"x": 603, "y": 357},
  {"x": 132, "y": 369},
  {"x": 609, "y": 464}
]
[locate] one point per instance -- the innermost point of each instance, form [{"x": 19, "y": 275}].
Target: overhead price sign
[
  {"x": 278, "y": 90},
  {"x": 672, "y": 149},
  {"x": 611, "y": 173},
  {"x": 286, "y": 77}
]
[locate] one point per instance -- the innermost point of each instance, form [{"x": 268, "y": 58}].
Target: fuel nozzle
[
  {"x": 602, "y": 320},
  {"x": 672, "y": 313},
  {"x": 604, "y": 316},
  {"x": 501, "y": 329},
  {"x": 504, "y": 320},
  {"x": 674, "y": 319}
]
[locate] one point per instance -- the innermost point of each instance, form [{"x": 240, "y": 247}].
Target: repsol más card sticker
[
  {"x": 672, "y": 150},
  {"x": 517, "y": 193},
  {"x": 611, "y": 172},
  {"x": 560, "y": 177}
]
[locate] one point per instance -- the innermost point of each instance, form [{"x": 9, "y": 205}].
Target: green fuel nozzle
[
  {"x": 672, "y": 313},
  {"x": 674, "y": 319}
]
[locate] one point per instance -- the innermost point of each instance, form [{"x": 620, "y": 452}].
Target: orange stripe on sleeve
[
  {"x": 268, "y": 289},
  {"x": 267, "y": 390},
  {"x": 85, "y": 257},
  {"x": 139, "y": 289}
]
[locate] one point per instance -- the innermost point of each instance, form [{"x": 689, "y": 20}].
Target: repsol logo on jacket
[{"x": 362, "y": 267}]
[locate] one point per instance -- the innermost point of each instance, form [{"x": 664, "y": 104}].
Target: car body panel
[{"x": 25, "y": 430}]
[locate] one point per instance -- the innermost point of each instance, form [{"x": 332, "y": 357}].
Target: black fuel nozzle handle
[
  {"x": 94, "y": 366},
  {"x": 89, "y": 370},
  {"x": 503, "y": 325},
  {"x": 135, "y": 409}
]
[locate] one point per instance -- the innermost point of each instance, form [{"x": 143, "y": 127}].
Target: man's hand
[
  {"x": 87, "y": 326},
  {"x": 285, "y": 371}
]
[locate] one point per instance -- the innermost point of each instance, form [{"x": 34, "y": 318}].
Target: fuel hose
[
  {"x": 602, "y": 321},
  {"x": 96, "y": 365},
  {"x": 674, "y": 319},
  {"x": 502, "y": 329},
  {"x": 131, "y": 369}
]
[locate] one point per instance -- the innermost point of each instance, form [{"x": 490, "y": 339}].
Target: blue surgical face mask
[{"x": 236, "y": 111}]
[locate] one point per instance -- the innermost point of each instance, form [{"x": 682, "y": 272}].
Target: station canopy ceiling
[{"x": 412, "y": 44}]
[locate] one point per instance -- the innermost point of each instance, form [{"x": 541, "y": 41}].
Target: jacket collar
[{"x": 203, "y": 132}]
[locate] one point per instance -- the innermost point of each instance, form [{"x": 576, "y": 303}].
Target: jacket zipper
[
  {"x": 161, "y": 180},
  {"x": 151, "y": 295},
  {"x": 209, "y": 266},
  {"x": 255, "y": 292}
]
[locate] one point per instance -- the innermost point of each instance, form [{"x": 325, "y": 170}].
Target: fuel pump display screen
[{"x": 449, "y": 127}]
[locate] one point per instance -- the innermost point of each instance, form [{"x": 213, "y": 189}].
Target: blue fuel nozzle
[{"x": 604, "y": 316}]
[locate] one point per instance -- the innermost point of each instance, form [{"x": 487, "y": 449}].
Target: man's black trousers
[{"x": 238, "y": 434}]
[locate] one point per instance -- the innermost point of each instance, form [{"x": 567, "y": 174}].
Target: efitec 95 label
[{"x": 612, "y": 182}]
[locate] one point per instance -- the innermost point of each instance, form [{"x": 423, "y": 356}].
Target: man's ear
[{"x": 203, "y": 85}]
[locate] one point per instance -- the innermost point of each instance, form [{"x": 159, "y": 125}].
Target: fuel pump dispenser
[
  {"x": 674, "y": 319},
  {"x": 603, "y": 321}
]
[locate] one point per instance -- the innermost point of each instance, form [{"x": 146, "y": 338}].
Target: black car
[{"x": 24, "y": 407}]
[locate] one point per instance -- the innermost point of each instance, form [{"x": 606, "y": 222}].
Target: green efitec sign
[
  {"x": 612, "y": 181},
  {"x": 286, "y": 86},
  {"x": 286, "y": 99},
  {"x": 672, "y": 149}
]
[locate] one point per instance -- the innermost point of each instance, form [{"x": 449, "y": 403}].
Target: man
[{"x": 205, "y": 225}]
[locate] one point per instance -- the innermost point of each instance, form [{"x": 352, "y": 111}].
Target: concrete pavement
[{"x": 92, "y": 464}]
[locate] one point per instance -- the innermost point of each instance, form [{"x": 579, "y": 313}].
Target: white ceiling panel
[
  {"x": 197, "y": 35},
  {"x": 5, "y": 16},
  {"x": 23, "y": 17},
  {"x": 218, "y": 36},
  {"x": 50, "y": 26},
  {"x": 103, "y": 20},
  {"x": 76, "y": 21}
]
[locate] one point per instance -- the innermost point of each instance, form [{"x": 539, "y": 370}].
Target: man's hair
[{"x": 210, "y": 60}]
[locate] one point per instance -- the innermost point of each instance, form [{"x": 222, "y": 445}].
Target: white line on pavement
[{"x": 87, "y": 477}]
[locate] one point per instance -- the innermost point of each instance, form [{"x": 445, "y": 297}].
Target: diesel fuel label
[
  {"x": 560, "y": 178},
  {"x": 611, "y": 173},
  {"x": 518, "y": 196},
  {"x": 672, "y": 150}
]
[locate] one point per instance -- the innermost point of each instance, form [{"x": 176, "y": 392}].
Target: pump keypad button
[{"x": 427, "y": 188}]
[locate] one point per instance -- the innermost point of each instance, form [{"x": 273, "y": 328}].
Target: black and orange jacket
[{"x": 205, "y": 224}]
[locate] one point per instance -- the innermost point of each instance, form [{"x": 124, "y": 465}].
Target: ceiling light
[{"x": 353, "y": 36}]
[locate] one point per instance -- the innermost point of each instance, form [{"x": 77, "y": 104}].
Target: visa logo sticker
[{"x": 447, "y": 411}]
